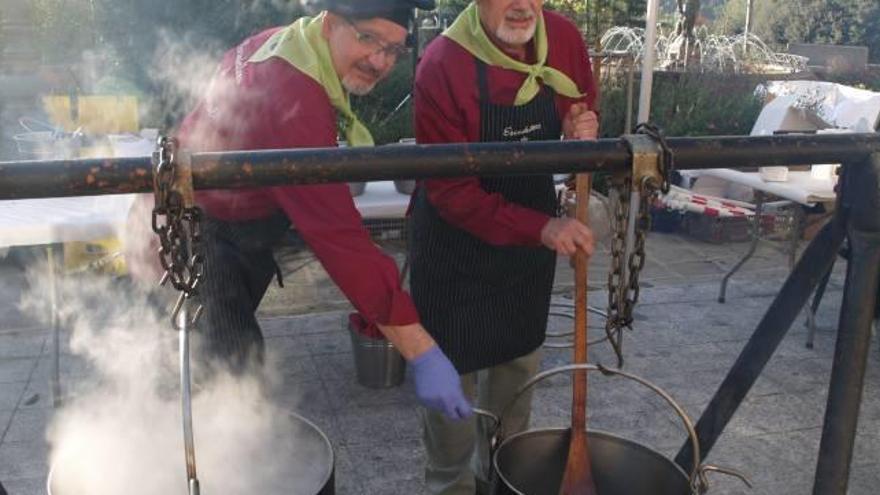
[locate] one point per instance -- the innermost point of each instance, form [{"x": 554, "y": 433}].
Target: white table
[
  {"x": 381, "y": 200},
  {"x": 47, "y": 222},
  {"x": 801, "y": 187}
]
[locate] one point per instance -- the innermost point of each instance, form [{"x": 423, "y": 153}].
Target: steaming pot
[
  {"x": 533, "y": 462},
  {"x": 309, "y": 438}
]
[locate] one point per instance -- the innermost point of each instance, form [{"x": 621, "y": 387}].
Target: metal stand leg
[
  {"x": 815, "y": 262},
  {"x": 756, "y": 236},
  {"x": 854, "y": 335},
  {"x": 811, "y": 314},
  {"x": 55, "y": 375},
  {"x": 797, "y": 230}
]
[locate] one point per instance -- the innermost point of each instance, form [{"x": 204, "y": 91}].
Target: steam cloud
[{"x": 121, "y": 429}]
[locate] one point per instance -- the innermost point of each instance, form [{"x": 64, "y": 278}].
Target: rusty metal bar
[{"x": 242, "y": 169}]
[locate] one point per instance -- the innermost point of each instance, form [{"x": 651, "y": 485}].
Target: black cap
[{"x": 397, "y": 11}]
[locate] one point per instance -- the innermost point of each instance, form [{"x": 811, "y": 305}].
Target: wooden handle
[
  {"x": 579, "y": 402},
  {"x": 578, "y": 478}
]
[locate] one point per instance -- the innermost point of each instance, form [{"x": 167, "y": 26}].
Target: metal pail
[
  {"x": 533, "y": 462},
  {"x": 378, "y": 364},
  {"x": 321, "y": 464}
]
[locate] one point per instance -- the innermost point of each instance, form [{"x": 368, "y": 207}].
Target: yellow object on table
[
  {"x": 94, "y": 114},
  {"x": 102, "y": 256}
]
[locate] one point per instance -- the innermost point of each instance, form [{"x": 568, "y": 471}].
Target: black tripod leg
[
  {"x": 814, "y": 307},
  {"x": 812, "y": 266}
]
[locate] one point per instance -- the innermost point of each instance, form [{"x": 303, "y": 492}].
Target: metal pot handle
[
  {"x": 703, "y": 480},
  {"x": 496, "y": 426},
  {"x": 183, "y": 327},
  {"x": 695, "y": 474}
]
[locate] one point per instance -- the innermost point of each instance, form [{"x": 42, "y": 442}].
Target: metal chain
[
  {"x": 623, "y": 295},
  {"x": 637, "y": 256},
  {"x": 616, "y": 320},
  {"x": 179, "y": 229}
]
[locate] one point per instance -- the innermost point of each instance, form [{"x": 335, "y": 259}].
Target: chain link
[
  {"x": 179, "y": 229},
  {"x": 616, "y": 320},
  {"x": 623, "y": 287}
]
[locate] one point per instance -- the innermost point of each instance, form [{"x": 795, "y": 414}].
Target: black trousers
[{"x": 239, "y": 266}]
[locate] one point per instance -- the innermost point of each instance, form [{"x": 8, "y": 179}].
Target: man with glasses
[
  {"x": 287, "y": 88},
  {"x": 483, "y": 249}
]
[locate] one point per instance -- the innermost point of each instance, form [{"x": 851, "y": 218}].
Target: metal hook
[{"x": 702, "y": 485}]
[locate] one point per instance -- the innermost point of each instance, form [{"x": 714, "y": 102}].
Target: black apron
[
  {"x": 485, "y": 304},
  {"x": 239, "y": 266}
]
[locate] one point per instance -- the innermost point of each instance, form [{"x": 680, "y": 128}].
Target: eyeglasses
[{"x": 376, "y": 45}]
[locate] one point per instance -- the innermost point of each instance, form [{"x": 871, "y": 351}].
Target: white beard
[
  {"x": 356, "y": 87},
  {"x": 513, "y": 36}
]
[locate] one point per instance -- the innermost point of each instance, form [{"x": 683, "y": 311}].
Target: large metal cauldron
[
  {"x": 533, "y": 462},
  {"x": 309, "y": 439}
]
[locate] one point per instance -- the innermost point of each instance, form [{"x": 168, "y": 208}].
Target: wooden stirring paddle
[{"x": 578, "y": 478}]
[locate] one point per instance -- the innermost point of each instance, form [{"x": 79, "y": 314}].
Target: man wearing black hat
[
  {"x": 483, "y": 249},
  {"x": 289, "y": 87}
]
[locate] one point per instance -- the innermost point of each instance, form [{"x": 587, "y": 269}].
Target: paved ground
[{"x": 684, "y": 341}]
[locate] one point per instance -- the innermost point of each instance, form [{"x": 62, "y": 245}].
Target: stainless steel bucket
[
  {"x": 378, "y": 364},
  {"x": 309, "y": 439},
  {"x": 533, "y": 462}
]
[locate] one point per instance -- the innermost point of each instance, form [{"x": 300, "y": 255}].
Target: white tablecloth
[
  {"x": 801, "y": 187},
  {"x": 32, "y": 222}
]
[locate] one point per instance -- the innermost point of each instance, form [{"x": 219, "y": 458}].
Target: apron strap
[{"x": 482, "y": 80}]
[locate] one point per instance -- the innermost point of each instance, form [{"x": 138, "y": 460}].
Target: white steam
[{"x": 120, "y": 430}]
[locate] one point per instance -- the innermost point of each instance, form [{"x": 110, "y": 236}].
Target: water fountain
[{"x": 711, "y": 53}]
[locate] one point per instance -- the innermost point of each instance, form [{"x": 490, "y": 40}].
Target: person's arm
[
  {"x": 326, "y": 218},
  {"x": 581, "y": 115}
]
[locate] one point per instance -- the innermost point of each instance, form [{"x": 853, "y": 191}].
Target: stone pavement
[{"x": 684, "y": 341}]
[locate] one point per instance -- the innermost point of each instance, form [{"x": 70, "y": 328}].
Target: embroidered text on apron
[{"x": 485, "y": 304}]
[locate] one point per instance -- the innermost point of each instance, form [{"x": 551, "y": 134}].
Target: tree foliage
[
  {"x": 846, "y": 22},
  {"x": 132, "y": 29}
]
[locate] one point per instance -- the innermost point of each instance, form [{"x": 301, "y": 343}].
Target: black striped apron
[
  {"x": 239, "y": 266},
  {"x": 485, "y": 304}
]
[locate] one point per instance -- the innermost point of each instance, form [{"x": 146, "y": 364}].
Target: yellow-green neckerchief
[
  {"x": 468, "y": 32},
  {"x": 302, "y": 45}
]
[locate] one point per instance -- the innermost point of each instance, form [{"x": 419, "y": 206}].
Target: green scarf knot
[
  {"x": 468, "y": 32},
  {"x": 302, "y": 46}
]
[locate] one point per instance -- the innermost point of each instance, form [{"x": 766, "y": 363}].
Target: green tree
[
  {"x": 848, "y": 22},
  {"x": 65, "y": 28},
  {"x": 731, "y": 17}
]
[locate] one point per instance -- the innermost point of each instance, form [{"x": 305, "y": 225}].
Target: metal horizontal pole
[{"x": 242, "y": 169}]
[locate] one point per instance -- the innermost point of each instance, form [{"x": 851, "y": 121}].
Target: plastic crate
[{"x": 719, "y": 230}]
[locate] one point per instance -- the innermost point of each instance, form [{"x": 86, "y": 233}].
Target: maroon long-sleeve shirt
[
  {"x": 447, "y": 110},
  {"x": 272, "y": 105}
]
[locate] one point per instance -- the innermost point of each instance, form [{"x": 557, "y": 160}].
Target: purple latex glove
[{"x": 438, "y": 385}]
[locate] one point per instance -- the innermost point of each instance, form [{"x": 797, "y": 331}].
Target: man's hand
[
  {"x": 438, "y": 385},
  {"x": 566, "y": 236},
  {"x": 580, "y": 123}
]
